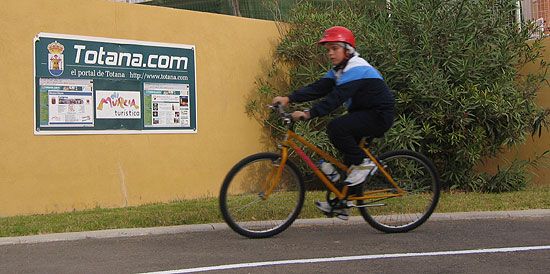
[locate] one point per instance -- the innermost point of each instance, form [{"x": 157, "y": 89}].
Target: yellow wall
[
  {"x": 40, "y": 174},
  {"x": 533, "y": 145}
]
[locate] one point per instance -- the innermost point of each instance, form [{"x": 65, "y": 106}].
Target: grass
[{"x": 206, "y": 211}]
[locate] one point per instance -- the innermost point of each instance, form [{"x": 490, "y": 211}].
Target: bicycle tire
[
  {"x": 415, "y": 174},
  {"x": 241, "y": 202}
]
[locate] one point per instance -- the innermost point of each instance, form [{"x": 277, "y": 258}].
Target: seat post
[{"x": 363, "y": 142}]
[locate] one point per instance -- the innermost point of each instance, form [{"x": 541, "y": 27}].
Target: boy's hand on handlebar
[
  {"x": 282, "y": 100},
  {"x": 300, "y": 115}
]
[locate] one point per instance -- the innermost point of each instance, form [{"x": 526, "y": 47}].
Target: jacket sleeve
[
  {"x": 336, "y": 98},
  {"x": 313, "y": 91}
]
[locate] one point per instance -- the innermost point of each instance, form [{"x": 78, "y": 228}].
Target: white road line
[{"x": 354, "y": 258}]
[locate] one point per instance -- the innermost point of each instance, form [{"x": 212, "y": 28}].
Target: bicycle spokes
[
  {"x": 256, "y": 201},
  {"x": 401, "y": 211}
]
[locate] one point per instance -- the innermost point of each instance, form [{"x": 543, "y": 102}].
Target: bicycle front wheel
[
  {"x": 413, "y": 173},
  {"x": 254, "y": 204}
]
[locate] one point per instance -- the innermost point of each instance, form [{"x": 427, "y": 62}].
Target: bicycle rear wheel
[
  {"x": 415, "y": 174},
  {"x": 247, "y": 207}
]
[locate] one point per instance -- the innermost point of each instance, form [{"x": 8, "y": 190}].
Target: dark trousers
[{"x": 346, "y": 131}]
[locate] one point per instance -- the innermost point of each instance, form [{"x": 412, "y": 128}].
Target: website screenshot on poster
[
  {"x": 169, "y": 104},
  {"x": 67, "y": 102}
]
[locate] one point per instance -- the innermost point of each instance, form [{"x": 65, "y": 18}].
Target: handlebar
[
  {"x": 280, "y": 109},
  {"x": 287, "y": 117}
]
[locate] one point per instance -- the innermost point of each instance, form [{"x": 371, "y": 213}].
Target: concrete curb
[{"x": 133, "y": 232}]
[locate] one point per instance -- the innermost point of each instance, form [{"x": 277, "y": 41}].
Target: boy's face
[{"x": 335, "y": 52}]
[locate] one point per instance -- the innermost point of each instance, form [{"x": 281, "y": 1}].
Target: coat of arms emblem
[{"x": 55, "y": 58}]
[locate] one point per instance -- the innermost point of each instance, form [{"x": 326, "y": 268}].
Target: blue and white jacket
[{"x": 359, "y": 85}]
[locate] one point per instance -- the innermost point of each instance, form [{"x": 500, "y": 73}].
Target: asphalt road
[{"x": 475, "y": 245}]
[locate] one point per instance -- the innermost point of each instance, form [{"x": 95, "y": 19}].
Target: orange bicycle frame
[{"x": 289, "y": 142}]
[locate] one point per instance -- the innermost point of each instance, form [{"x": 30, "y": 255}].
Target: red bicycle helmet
[{"x": 338, "y": 34}]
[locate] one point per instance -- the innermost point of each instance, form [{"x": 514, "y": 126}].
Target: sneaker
[
  {"x": 341, "y": 213},
  {"x": 358, "y": 173}
]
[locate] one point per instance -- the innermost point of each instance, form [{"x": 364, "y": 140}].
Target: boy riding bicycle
[{"x": 361, "y": 88}]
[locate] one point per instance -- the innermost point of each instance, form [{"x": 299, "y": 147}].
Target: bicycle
[{"x": 263, "y": 194}]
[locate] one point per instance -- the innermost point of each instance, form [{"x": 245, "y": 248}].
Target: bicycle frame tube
[
  {"x": 272, "y": 182},
  {"x": 316, "y": 170},
  {"x": 288, "y": 142},
  {"x": 386, "y": 174}
]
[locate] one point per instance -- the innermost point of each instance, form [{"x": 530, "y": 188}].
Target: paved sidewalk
[{"x": 132, "y": 232}]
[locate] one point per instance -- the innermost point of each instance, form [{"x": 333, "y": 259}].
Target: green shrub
[
  {"x": 513, "y": 177},
  {"x": 453, "y": 67}
]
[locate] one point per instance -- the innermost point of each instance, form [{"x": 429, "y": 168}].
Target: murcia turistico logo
[{"x": 55, "y": 58}]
